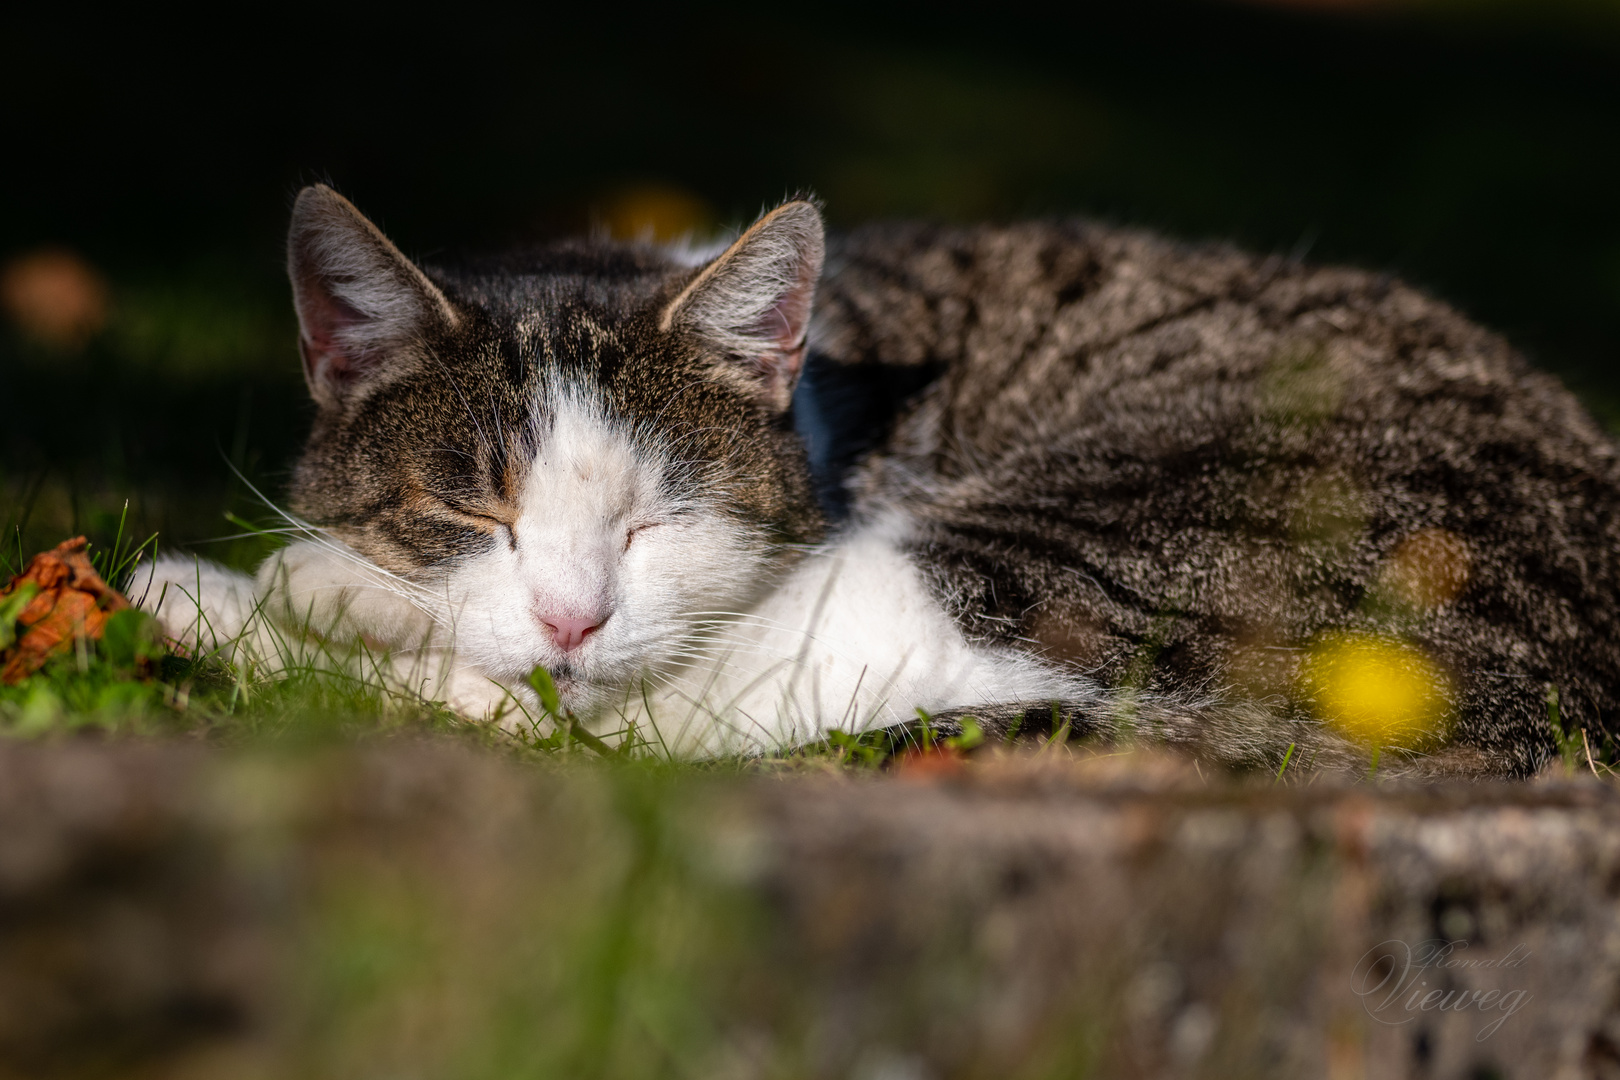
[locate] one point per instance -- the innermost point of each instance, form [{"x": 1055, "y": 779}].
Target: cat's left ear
[
  {"x": 753, "y": 302},
  {"x": 361, "y": 304}
]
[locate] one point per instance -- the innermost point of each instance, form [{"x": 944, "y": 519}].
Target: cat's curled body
[
  {"x": 1179, "y": 467},
  {"x": 1072, "y": 471}
]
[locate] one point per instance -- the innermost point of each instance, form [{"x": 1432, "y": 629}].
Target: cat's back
[{"x": 1068, "y": 323}]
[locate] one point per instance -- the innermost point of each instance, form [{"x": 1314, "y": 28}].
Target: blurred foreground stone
[{"x": 418, "y": 909}]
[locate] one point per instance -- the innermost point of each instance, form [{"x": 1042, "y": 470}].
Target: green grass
[{"x": 128, "y": 683}]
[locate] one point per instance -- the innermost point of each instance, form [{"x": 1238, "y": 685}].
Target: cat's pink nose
[{"x": 569, "y": 632}]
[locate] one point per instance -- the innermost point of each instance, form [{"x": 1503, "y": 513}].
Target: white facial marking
[{"x": 604, "y": 564}]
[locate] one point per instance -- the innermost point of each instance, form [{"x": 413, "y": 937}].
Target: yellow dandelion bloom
[{"x": 1378, "y": 691}]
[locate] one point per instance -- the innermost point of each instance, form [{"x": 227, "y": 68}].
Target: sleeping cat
[{"x": 1041, "y": 474}]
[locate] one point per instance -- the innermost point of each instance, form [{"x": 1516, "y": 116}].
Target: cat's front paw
[
  {"x": 198, "y": 603},
  {"x": 324, "y": 587}
]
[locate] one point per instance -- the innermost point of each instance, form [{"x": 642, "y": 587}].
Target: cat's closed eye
[
  {"x": 499, "y": 525},
  {"x": 502, "y": 527}
]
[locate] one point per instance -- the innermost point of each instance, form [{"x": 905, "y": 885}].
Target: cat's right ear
[
  {"x": 360, "y": 301},
  {"x": 753, "y": 302}
]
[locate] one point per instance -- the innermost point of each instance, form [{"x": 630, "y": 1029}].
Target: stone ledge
[{"x": 180, "y": 911}]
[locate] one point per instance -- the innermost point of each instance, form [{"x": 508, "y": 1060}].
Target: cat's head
[{"x": 583, "y": 451}]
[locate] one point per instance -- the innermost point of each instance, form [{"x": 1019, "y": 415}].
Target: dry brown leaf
[{"x": 72, "y": 602}]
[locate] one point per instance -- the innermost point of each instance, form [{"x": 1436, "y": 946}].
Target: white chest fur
[{"x": 851, "y": 639}]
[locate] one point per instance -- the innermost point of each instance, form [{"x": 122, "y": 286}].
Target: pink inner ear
[
  {"x": 785, "y": 322},
  {"x": 328, "y": 349},
  {"x": 782, "y": 329},
  {"x": 790, "y": 315},
  {"x": 777, "y": 328}
]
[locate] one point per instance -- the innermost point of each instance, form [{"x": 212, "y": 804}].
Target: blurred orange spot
[
  {"x": 54, "y": 296},
  {"x": 1378, "y": 691},
  {"x": 1428, "y": 569},
  {"x": 931, "y": 763},
  {"x": 655, "y": 213}
]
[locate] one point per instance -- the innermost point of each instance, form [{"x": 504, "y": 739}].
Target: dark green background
[{"x": 1473, "y": 149}]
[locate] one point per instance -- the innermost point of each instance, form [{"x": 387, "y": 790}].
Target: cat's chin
[
  {"x": 579, "y": 692},
  {"x": 475, "y": 692}
]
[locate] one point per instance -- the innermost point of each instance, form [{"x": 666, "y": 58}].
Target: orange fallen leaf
[{"x": 70, "y": 601}]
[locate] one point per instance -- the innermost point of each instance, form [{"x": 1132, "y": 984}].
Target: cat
[{"x": 1052, "y": 476}]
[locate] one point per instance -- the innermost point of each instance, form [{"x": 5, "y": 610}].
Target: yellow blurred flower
[
  {"x": 1378, "y": 691},
  {"x": 655, "y": 213}
]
